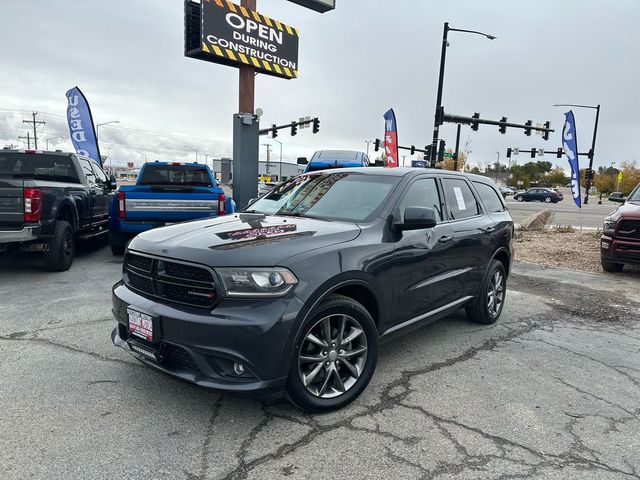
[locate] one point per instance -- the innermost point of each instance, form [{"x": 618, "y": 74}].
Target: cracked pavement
[{"x": 551, "y": 391}]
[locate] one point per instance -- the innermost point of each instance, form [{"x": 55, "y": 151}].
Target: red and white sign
[{"x": 140, "y": 324}]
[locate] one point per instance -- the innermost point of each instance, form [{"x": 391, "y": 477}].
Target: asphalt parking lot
[
  {"x": 551, "y": 391},
  {"x": 564, "y": 212}
]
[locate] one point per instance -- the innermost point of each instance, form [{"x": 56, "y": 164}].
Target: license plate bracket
[{"x": 142, "y": 325}]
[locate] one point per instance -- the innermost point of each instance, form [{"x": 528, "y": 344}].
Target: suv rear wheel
[
  {"x": 59, "y": 256},
  {"x": 335, "y": 356},
  {"x": 488, "y": 305}
]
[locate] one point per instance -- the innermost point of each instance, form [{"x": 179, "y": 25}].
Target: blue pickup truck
[
  {"x": 326, "y": 159},
  {"x": 164, "y": 193}
]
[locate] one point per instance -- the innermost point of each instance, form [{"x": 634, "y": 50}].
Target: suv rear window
[
  {"x": 460, "y": 200},
  {"x": 175, "y": 175},
  {"x": 490, "y": 197},
  {"x": 39, "y": 166}
]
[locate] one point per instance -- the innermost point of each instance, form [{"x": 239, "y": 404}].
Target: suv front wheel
[
  {"x": 488, "y": 305},
  {"x": 335, "y": 356}
]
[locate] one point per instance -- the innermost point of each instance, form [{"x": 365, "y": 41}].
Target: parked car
[
  {"x": 538, "y": 194},
  {"x": 164, "y": 193},
  {"x": 265, "y": 187},
  {"x": 616, "y": 197},
  {"x": 620, "y": 241},
  {"x": 326, "y": 159},
  {"x": 295, "y": 291},
  {"x": 49, "y": 200},
  {"x": 505, "y": 191}
]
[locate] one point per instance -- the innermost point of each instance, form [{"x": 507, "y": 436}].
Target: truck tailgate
[
  {"x": 143, "y": 204},
  {"x": 11, "y": 203}
]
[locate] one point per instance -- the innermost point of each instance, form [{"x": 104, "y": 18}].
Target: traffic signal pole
[
  {"x": 455, "y": 155},
  {"x": 439, "y": 108}
]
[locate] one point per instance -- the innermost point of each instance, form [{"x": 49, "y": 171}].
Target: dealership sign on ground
[{"x": 223, "y": 32}]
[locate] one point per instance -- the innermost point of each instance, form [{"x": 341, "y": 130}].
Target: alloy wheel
[
  {"x": 495, "y": 294},
  {"x": 332, "y": 356}
]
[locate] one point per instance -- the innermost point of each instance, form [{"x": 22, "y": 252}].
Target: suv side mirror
[
  {"x": 417, "y": 218},
  {"x": 113, "y": 182},
  {"x": 302, "y": 160}
]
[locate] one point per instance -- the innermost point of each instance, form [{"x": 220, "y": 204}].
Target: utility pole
[
  {"x": 28, "y": 139},
  {"x": 35, "y": 124}
]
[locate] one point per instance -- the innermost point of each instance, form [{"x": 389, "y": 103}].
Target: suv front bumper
[{"x": 201, "y": 346}]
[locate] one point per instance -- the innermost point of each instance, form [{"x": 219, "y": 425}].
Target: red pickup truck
[{"x": 620, "y": 242}]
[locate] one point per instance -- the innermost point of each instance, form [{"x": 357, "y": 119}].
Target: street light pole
[
  {"x": 368, "y": 142},
  {"x": 497, "y": 166},
  {"x": 593, "y": 142},
  {"x": 439, "y": 108},
  {"x": 101, "y": 125},
  {"x": 280, "y": 143},
  {"x": 193, "y": 150}
]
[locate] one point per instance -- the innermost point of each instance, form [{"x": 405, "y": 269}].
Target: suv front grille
[
  {"x": 170, "y": 281},
  {"x": 629, "y": 229}
]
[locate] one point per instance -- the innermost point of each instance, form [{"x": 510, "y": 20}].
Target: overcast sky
[{"x": 355, "y": 63}]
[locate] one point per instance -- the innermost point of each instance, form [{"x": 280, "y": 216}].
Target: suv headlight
[
  {"x": 256, "y": 282},
  {"x": 609, "y": 227}
]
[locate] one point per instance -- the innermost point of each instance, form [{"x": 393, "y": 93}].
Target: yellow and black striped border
[{"x": 246, "y": 59}]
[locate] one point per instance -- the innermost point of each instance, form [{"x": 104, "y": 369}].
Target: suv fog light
[
  {"x": 605, "y": 245},
  {"x": 238, "y": 368}
]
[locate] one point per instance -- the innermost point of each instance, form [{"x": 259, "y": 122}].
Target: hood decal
[
  {"x": 255, "y": 233},
  {"x": 262, "y": 241}
]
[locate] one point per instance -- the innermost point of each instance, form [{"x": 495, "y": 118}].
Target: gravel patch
[{"x": 574, "y": 250}]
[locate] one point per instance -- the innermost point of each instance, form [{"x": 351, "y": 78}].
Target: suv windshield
[
  {"x": 39, "y": 166},
  {"x": 344, "y": 196},
  {"x": 175, "y": 175},
  {"x": 635, "y": 195}
]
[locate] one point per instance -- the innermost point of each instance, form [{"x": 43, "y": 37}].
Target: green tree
[{"x": 556, "y": 176}]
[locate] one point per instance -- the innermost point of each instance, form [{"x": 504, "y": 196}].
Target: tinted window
[
  {"x": 332, "y": 196},
  {"x": 175, "y": 175},
  {"x": 87, "y": 170},
  {"x": 422, "y": 193},
  {"x": 490, "y": 197},
  {"x": 100, "y": 175},
  {"x": 460, "y": 201},
  {"x": 39, "y": 166}
]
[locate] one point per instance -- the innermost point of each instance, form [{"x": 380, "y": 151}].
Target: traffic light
[
  {"x": 294, "y": 129},
  {"x": 441, "y": 148},
  {"x": 474, "y": 125},
  {"x": 559, "y": 153},
  {"x": 533, "y": 153},
  {"x": 316, "y": 125},
  {"x": 527, "y": 131},
  {"x": 588, "y": 174},
  {"x": 508, "y": 153},
  {"x": 413, "y": 149},
  {"x": 503, "y": 127},
  {"x": 545, "y": 134},
  {"x": 274, "y": 131},
  {"x": 439, "y": 115},
  {"x": 376, "y": 144}
]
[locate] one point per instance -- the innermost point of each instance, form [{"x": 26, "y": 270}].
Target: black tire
[
  {"x": 118, "y": 243},
  {"x": 611, "y": 267},
  {"x": 480, "y": 311},
  {"x": 59, "y": 255},
  {"x": 335, "y": 307},
  {"x": 518, "y": 198}
]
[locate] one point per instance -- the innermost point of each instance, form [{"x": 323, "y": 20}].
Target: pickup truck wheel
[
  {"x": 487, "y": 306},
  {"x": 118, "y": 243},
  {"x": 335, "y": 356},
  {"x": 611, "y": 267},
  {"x": 59, "y": 256}
]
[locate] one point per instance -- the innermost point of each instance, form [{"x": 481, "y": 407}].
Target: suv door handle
[
  {"x": 489, "y": 229},
  {"x": 445, "y": 239}
]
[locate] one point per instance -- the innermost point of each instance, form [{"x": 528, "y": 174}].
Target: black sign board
[
  {"x": 223, "y": 32},
  {"x": 321, "y": 6}
]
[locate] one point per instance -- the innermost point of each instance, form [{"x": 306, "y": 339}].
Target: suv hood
[{"x": 243, "y": 239}]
